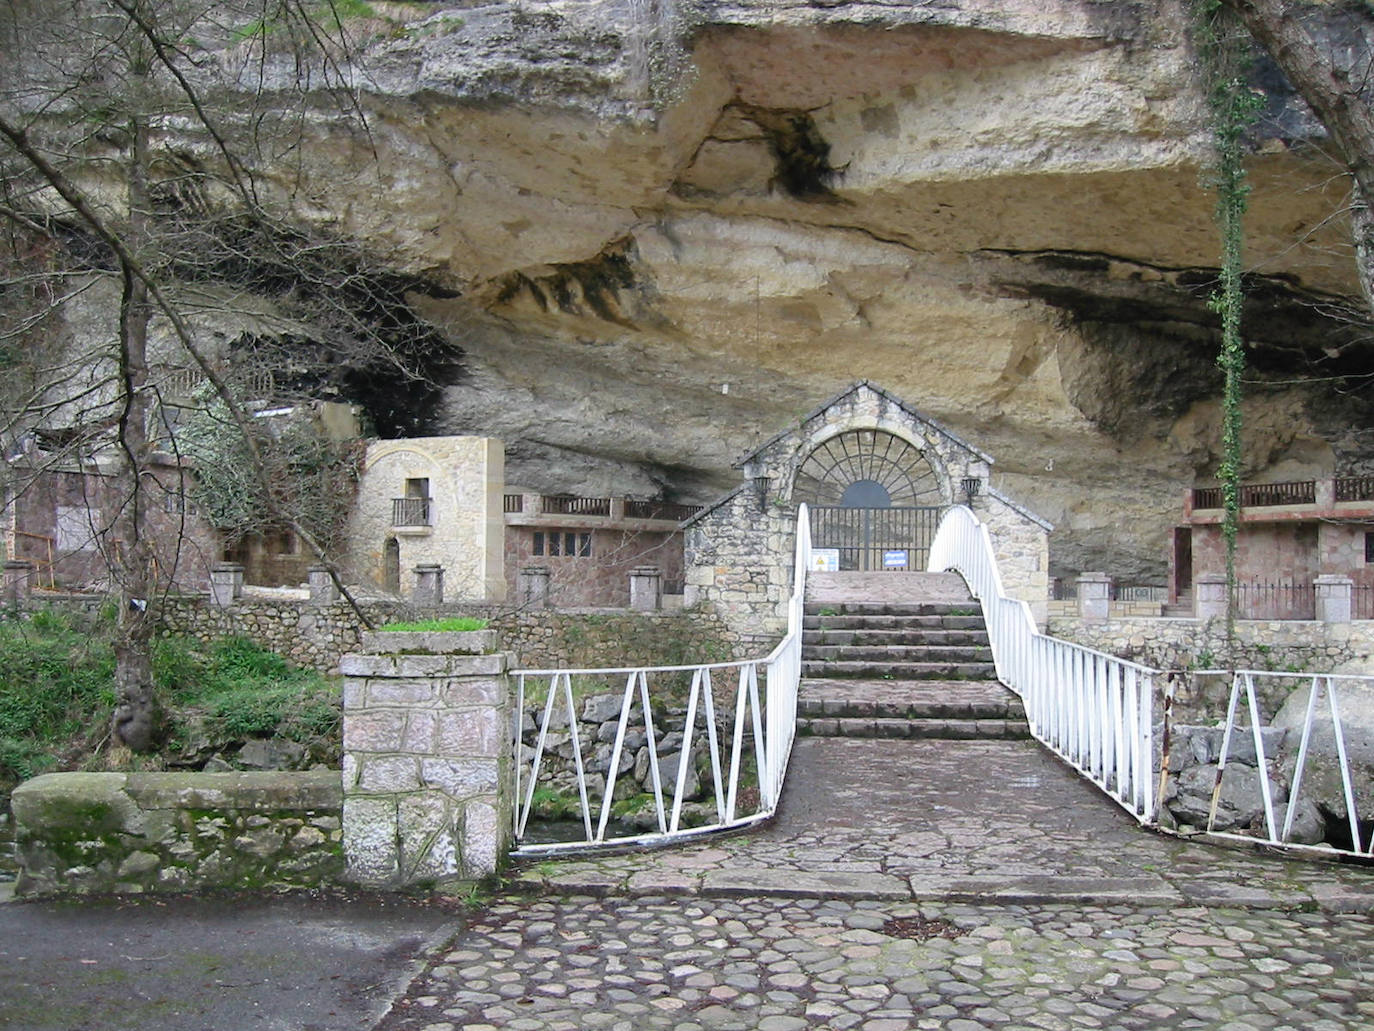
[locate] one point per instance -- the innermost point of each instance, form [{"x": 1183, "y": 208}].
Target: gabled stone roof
[{"x": 862, "y": 384}]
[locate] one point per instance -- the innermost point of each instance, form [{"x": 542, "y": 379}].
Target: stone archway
[{"x": 875, "y": 499}]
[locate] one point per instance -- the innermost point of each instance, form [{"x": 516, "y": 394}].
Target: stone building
[
  {"x": 63, "y": 519},
  {"x": 591, "y": 552},
  {"x": 430, "y": 508},
  {"x": 1290, "y": 535},
  {"x": 876, "y": 476}
]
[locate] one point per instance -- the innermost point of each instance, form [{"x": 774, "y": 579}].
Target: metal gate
[{"x": 896, "y": 538}]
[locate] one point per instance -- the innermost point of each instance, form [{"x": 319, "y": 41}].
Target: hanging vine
[{"x": 1224, "y": 48}]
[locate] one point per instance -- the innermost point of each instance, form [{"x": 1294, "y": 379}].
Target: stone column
[
  {"x": 323, "y": 590},
  {"x": 429, "y": 585},
  {"x": 1209, "y": 596},
  {"x": 427, "y": 795},
  {"x": 226, "y": 583},
  {"x": 534, "y": 587},
  {"x": 1334, "y": 595},
  {"x": 646, "y": 589},
  {"x": 18, "y": 582},
  {"x": 1094, "y": 597}
]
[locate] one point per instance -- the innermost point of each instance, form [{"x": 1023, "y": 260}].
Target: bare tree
[
  {"x": 130, "y": 136},
  {"x": 1333, "y": 72}
]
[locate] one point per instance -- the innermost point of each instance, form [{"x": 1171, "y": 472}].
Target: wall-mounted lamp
[
  {"x": 761, "y": 491},
  {"x": 973, "y": 486}
]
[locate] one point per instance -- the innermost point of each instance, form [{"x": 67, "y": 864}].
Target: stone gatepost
[
  {"x": 427, "y": 795},
  {"x": 1094, "y": 597},
  {"x": 226, "y": 583},
  {"x": 1334, "y": 595},
  {"x": 18, "y": 586},
  {"x": 323, "y": 590},
  {"x": 1209, "y": 593},
  {"x": 429, "y": 585},
  {"x": 646, "y": 589},
  {"x": 534, "y": 587}
]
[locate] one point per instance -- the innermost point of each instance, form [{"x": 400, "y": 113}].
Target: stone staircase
[{"x": 898, "y": 665}]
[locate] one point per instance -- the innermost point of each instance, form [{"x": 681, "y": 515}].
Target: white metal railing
[
  {"x": 1098, "y": 711},
  {"x": 1321, "y": 717},
  {"x": 761, "y": 732},
  {"x": 1093, "y": 709}
]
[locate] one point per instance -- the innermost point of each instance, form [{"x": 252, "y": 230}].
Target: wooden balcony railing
[
  {"x": 659, "y": 510},
  {"x": 566, "y": 504},
  {"x": 410, "y": 511},
  {"x": 1260, "y": 495},
  {"x": 1355, "y": 488}
]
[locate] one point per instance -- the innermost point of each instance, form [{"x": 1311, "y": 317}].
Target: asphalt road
[{"x": 283, "y": 963}]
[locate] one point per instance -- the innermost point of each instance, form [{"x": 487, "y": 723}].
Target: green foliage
[
  {"x": 56, "y": 683},
  {"x": 303, "y": 473},
  {"x": 1225, "y": 51},
  {"x": 458, "y": 623},
  {"x": 57, "y": 691}
]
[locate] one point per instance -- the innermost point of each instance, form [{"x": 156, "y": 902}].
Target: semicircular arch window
[{"x": 867, "y": 469}]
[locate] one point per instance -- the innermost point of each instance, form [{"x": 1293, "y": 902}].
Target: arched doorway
[
  {"x": 874, "y": 498},
  {"x": 391, "y": 565}
]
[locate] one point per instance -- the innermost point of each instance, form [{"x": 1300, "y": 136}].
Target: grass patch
[
  {"x": 458, "y": 623},
  {"x": 57, "y": 696}
]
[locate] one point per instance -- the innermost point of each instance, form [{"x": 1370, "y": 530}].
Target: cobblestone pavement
[
  {"x": 917, "y": 884},
  {"x": 975, "y": 820},
  {"x": 778, "y": 965}
]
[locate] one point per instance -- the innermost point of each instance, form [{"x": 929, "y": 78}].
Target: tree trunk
[
  {"x": 1335, "y": 95},
  {"x": 136, "y": 718}
]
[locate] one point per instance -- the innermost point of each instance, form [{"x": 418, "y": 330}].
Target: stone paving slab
[
  {"x": 993, "y": 820},
  {"x": 886, "y": 587}
]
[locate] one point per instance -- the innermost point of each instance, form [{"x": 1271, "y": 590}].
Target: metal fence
[
  {"x": 1112, "y": 719},
  {"x": 1259, "y": 600},
  {"x": 563, "y": 504},
  {"x": 751, "y": 704}
]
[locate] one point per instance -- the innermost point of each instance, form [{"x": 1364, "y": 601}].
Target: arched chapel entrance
[{"x": 875, "y": 500}]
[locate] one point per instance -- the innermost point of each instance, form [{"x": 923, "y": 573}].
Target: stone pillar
[
  {"x": 1209, "y": 596},
  {"x": 429, "y": 585},
  {"x": 226, "y": 583},
  {"x": 18, "y": 582},
  {"x": 646, "y": 589},
  {"x": 323, "y": 590},
  {"x": 427, "y": 794},
  {"x": 1094, "y": 597},
  {"x": 1334, "y": 595},
  {"x": 534, "y": 587}
]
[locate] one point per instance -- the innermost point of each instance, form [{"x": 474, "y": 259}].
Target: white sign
[{"x": 825, "y": 560}]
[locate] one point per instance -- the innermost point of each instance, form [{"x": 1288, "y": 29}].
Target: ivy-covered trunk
[{"x": 1224, "y": 50}]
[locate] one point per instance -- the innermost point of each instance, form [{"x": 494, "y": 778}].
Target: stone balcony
[{"x": 563, "y": 511}]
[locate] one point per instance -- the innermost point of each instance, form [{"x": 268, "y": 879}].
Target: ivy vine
[{"x": 1225, "y": 52}]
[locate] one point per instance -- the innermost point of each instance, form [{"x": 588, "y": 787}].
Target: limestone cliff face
[{"x": 663, "y": 230}]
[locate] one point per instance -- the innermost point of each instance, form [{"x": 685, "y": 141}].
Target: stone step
[
  {"x": 864, "y": 637},
  {"x": 892, "y": 622},
  {"x": 884, "y": 727},
  {"x": 895, "y": 654},
  {"x": 901, "y": 670},
  {"x": 892, "y": 608},
  {"x": 942, "y": 699}
]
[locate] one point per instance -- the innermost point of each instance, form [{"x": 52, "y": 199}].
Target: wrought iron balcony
[{"x": 410, "y": 511}]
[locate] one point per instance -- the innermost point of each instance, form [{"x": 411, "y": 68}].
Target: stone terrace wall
[
  {"x": 137, "y": 832},
  {"x": 317, "y": 635},
  {"x": 1298, "y": 645}
]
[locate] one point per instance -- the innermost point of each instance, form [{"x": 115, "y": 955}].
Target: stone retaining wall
[
  {"x": 316, "y": 636},
  {"x": 1300, "y": 646},
  {"x": 140, "y": 832}
]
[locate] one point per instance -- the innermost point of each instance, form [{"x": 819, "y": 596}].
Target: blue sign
[{"x": 894, "y": 560}]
